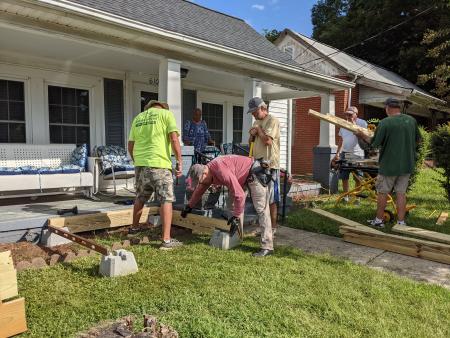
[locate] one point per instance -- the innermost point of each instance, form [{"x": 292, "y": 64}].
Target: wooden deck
[{"x": 19, "y": 216}]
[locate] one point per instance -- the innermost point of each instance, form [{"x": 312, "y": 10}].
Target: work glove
[
  {"x": 235, "y": 225},
  {"x": 187, "y": 209}
]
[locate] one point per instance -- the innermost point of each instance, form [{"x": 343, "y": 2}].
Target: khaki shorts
[
  {"x": 385, "y": 184},
  {"x": 154, "y": 180}
]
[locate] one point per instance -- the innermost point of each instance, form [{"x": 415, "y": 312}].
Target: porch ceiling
[{"x": 72, "y": 51}]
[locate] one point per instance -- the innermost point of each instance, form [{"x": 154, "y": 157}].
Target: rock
[
  {"x": 68, "y": 257},
  {"x": 38, "y": 262},
  {"x": 82, "y": 253},
  {"x": 55, "y": 258},
  {"x": 116, "y": 246},
  {"x": 23, "y": 265},
  {"x": 135, "y": 241},
  {"x": 126, "y": 243},
  {"x": 145, "y": 240},
  {"x": 124, "y": 331}
]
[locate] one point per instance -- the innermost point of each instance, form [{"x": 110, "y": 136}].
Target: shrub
[
  {"x": 422, "y": 152},
  {"x": 440, "y": 148}
]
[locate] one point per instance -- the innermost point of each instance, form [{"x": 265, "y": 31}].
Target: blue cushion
[
  {"x": 71, "y": 169},
  {"x": 10, "y": 171},
  {"x": 113, "y": 156},
  {"x": 28, "y": 170},
  {"x": 120, "y": 168},
  {"x": 79, "y": 156},
  {"x": 49, "y": 171}
]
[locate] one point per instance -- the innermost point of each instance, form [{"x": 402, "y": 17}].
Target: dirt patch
[{"x": 124, "y": 328}]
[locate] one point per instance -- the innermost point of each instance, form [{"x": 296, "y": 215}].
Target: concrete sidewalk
[{"x": 412, "y": 267}]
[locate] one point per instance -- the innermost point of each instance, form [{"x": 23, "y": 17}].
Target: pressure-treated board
[
  {"x": 340, "y": 122},
  {"x": 442, "y": 218},
  {"x": 434, "y": 251},
  {"x": 342, "y": 220},
  {"x": 6, "y": 261},
  {"x": 101, "y": 220},
  {"x": 199, "y": 223},
  {"x": 8, "y": 284},
  {"x": 422, "y": 233},
  {"x": 12, "y": 318}
]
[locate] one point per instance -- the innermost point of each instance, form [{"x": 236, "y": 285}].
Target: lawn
[
  {"x": 204, "y": 292},
  {"x": 428, "y": 196}
]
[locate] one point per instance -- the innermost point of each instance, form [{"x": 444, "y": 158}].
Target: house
[
  {"x": 79, "y": 71},
  {"x": 373, "y": 84}
]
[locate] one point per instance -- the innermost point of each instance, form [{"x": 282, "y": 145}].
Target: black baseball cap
[{"x": 393, "y": 103}]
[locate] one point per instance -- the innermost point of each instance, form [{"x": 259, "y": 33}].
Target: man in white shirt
[{"x": 348, "y": 146}]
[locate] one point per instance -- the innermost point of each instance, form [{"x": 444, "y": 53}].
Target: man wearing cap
[
  {"x": 265, "y": 134},
  {"x": 397, "y": 136},
  {"x": 236, "y": 173},
  {"x": 153, "y": 136},
  {"x": 348, "y": 146}
]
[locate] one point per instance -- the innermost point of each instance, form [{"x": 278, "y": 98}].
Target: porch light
[{"x": 184, "y": 72}]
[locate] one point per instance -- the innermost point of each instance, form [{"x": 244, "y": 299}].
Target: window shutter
[{"x": 114, "y": 112}]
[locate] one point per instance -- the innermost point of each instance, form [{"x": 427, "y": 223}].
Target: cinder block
[
  {"x": 154, "y": 220},
  {"x": 118, "y": 263},
  {"x": 50, "y": 239},
  {"x": 222, "y": 240}
]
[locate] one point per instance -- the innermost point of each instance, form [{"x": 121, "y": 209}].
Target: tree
[
  {"x": 272, "y": 34},
  {"x": 342, "y": 23},
  {"x": 439, "y": 52}
]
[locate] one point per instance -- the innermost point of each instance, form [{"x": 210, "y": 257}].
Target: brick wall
[{"x": 306, "y": 132}]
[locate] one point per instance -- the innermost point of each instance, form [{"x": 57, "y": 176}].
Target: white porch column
[
  {"x": 252, "y": 88},
  {"x": 40, "y": 133},
  {"x": 169, "y": 88},
  {"x": 327, "y": 130}
]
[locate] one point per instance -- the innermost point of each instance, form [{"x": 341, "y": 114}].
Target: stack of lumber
[
  {"x": 337, "y": 121},
  {"x": 12, "y": 312},
  {"x": 118, "y": 218},
  {"x": 436, "y": 250}
]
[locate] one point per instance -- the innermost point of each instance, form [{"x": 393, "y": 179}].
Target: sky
[{"x": 267, "y": 14}]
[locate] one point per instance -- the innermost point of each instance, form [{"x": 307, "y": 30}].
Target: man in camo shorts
[{"x": 153, "y": 136}]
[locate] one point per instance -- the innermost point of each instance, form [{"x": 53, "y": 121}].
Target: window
[
  {"x": 238, "y": 112},
  {"x": 68, "y": 110},
  {"x": 213, "y": 116},
  {"x": 12, "y": 112}
]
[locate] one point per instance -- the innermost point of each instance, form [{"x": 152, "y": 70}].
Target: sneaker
[
  {"x": 172, "y": 243},
  {"x": 376, "y": 223},
  {"x": 263, "y": 253},
  {"x": 274, "y": 231},
  {"x": 346, "y": 199},
  {"x": 401, "y": 223}
]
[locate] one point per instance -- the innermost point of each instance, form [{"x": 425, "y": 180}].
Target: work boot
[
  {"x": 263, "y": 253},
  {"x": 169, "y": 245}
]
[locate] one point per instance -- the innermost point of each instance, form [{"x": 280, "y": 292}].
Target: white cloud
[{"x": 258, "y": 7}]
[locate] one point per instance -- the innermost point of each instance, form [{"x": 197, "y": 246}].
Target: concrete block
[
  {"x": 222, "y": 240},
  {"x": 55, "y": 258},
  {"x": 154, "y": 220},
  {"x": 23, "y": 265},
  {"x": 145, "y": 240},
  {"x": 38, "y": 262},
  {"x": 118, "y": 263},
  {"x": 50, "y": 239},
  {"x": 68, "y": 257}
]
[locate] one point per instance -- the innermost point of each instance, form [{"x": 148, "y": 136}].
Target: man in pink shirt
[{"x": 237, "y": 173}]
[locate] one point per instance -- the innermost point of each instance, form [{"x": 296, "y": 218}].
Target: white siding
[{"x": 279, "y": 109}]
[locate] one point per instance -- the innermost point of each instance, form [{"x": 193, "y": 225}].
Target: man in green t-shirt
[
  {"x": 153, "y": 136},
  {"x": 397, "y": 136}
]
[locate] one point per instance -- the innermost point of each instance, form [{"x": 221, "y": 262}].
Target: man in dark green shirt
[{"x": 397, "y": 137}]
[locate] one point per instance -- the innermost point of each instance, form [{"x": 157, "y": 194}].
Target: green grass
[
  {"x": 204, "y": 292},
  {"x": 426, "y": 194}
]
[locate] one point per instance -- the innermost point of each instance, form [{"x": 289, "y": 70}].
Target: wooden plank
[
  {"x": 12, "y": 318},
  {"x": 6, "y": 261},
  {"x": 342, "y": 220},
  {"x": 193, "y": 221},
  {"x": 438, "y": 252},
  {"x": 340, "y": 122},
  {"x": 8, "y": 284},
  {"x": 442, "y": 218},
  {"x": 422, "y": 233},
  {"x": 101, "y": 220}
]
